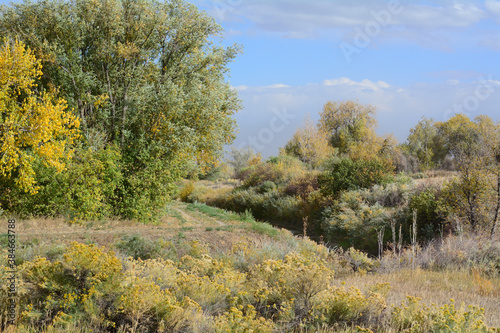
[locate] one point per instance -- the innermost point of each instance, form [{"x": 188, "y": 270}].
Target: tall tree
[
  {"x": 350, "y": 125},
  {"x": 474, "y": 145},
  {"x": 146, "y": 75},
  {"x": 424, "y": 143}
]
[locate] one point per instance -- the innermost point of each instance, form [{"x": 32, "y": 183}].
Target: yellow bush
[
  {"x": 242, "y": 320},
  {"x": 336, "y": 305},
  {"x": 279, "y": 285},
  {"x": 413, "y": 316}
]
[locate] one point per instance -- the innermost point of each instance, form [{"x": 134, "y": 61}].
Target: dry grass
[
  {"x": 222, "y": 235},
  {"x": 181, "y": 222},
  {"x": 437, "y": 287}
]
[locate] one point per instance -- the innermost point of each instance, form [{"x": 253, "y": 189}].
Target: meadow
[{"x": 203, "y": 269}]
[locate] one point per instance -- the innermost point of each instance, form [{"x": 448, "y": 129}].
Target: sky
[{"x": 409, "y": 59}]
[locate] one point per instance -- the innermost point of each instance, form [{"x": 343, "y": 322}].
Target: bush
[
  {"x": 337, "y": 305},
  {"x": 348, "y": 175},
  {"x": 86, "y": 190},
  {"x": 429, "y": 220},
  {"x": 413, "y": 316},
  {"x": 354, "y": 222},
  {"x": 138, "y": 247},
  {"x": 270, "y": 206}
]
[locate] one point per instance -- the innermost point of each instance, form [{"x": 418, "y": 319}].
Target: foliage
[
  {"x": 426, "y": 144},
  {"x": 240, "y": 159},
  {"x": 430, "y": 221},
  {"x": 348, "y": 174},
  {"x": 137, "y": 247},
  {"x": 337, "y": 305},
  {"x": 350, "y": 126},
  {"x": 86, "y": 190},
  {"x": 309, "y": 144},
  {"x": 354, "y": 222},
  {"x": 416, "y": 317},
  {"x": 33, "y": 125},
  {"x": 147, "y": 77}
]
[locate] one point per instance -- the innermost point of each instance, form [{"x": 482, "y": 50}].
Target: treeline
[
  {"x": 339, "y": 180},
  {"x": 105, "y": 104}
]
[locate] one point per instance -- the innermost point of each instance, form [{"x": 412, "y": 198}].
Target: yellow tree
[
  {"x": 309, "y": 144},
  {"x": 32, "y": 124}
]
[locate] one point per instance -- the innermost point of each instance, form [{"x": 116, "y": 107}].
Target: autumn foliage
[{"x": 34, "y": 125}]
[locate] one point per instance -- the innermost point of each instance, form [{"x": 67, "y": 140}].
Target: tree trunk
[{"x": 497, "y": 209}]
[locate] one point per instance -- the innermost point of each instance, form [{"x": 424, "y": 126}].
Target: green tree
[
  {"x": 475, "y": 194},
  {"x": 146, "y": 75},
  {"x": 424, "y": 143},
  {"x": 350, "y": 125}
]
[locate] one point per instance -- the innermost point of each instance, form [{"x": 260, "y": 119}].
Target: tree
[
  {"x": 309, "y": 143},
  {"x": 424, "y": 143},
  {"x": 146, "y": 75},
  {"x": 490, "y": 132},
  {"x": 474, "y": 145},
  {"x": 350, "y": 125},
  {"x": 34, "y": 125}
]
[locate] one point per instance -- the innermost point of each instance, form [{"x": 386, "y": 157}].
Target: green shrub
[
  {"x": 267, "y": 186},
  {"x": 137, "y": 246},
  {"x": 270, "y": 206},
  {"x": 85, "y": 190},
  {"x": 429, "y": 219},
  {"x": 354, "y": 222},
  {"x": 348, "y": 174}
]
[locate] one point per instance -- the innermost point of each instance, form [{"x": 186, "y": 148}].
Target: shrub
[
  {"x": 85, "y": 190},
  {"x": 354, "y": 222},
  {"x": 413, "y": 316},
  {"x": 137, "y": 246},
  {"x": 429, "y": 219},
  {"x": 267, "y": 186},
  {"x": 270, "y": 206},
  {"x": 83, "y": 283},
  {"x": 284, "y": 289},
  {"x": 186, "y": 191},
  {"x": 242, "y": 320},
  {"x": 337, "y": 305},
  {"x": 348, "y": 174}
]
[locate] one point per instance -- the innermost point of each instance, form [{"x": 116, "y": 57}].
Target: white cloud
[
  {"x": 277, "y": 85},
  {"x": 399, "y": 108},
  {"x": 493, "y": 7},
  {"x": 365, "y": 84}
]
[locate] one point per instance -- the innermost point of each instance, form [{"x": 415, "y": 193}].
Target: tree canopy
[{"x": 147, "y": 76}]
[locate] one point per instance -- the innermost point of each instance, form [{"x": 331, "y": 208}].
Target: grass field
[{"x": 188, "y": 227}]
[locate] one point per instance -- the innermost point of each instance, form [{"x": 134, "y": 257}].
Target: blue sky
[{"x": 408, "y": 58}]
